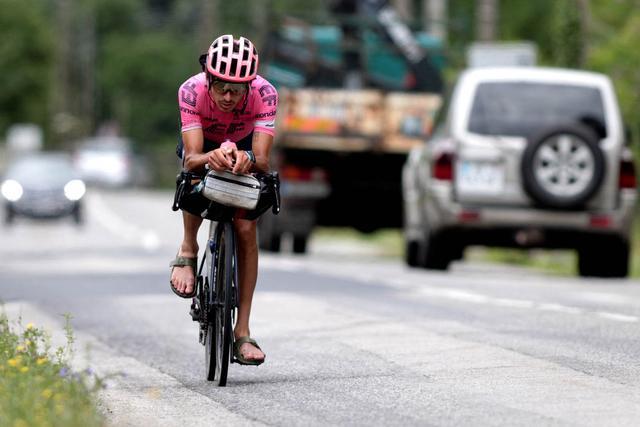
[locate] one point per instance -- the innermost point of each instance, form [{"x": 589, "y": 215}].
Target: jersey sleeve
[
  {"x": 188, "y": 100},
  {"x": 267, "y": 105}
]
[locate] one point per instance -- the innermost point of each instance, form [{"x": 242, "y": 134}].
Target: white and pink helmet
[{"x": 232, "y": 60}]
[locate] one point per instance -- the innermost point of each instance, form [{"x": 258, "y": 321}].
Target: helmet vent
[
  {"x": 223, "y": 67},
  {"x": 234, "y": 67},
  {"x": 243, "y": 71},
  {"x": 214, "y": 58},
  {"x": 245, "y": 54},
  {"x": 225, "y": 52},
  {"x": 253, "y": 68}
]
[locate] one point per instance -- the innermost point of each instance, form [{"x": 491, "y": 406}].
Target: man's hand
[{"x": 222, "y": 159}]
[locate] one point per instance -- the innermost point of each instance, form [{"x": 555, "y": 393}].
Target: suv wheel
[
  {"x": 563, "y": 166},
  {"x": 435, "y": 253},
  {"x": 604, "y": 256}
]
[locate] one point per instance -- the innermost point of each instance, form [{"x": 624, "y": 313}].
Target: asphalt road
[{"x": 351, "y": 338}]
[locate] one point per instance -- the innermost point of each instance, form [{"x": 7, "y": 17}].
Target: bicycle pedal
[{"x": 195, "y": 314}]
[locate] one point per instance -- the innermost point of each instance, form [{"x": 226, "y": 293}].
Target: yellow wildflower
[
  {"x": 24, "y": 369},
  {"x": 47, "y": 393},
  {"x": 41, "y": 361},
  {"x": 20, "y": 348},
  {"x": 27, "y": 343},
  {"x": 12, "y": 363},
  {"x": 30, "y": 325},
  {"x": 58, "y": 409}
]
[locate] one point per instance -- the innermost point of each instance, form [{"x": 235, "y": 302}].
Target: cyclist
[{"x": 228, "y": 100}]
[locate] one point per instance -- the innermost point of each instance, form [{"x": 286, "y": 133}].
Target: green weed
[{"x": 38, "y": 387}]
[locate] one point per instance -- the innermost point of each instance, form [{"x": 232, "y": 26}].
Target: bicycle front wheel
[{"x": 223, "y": 317}]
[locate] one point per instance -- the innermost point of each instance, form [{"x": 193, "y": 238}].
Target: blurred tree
[
  {"x": 619, "y": 57},
  {"x": 27, "y": 38},
  {"x": 140, "y": 79}
]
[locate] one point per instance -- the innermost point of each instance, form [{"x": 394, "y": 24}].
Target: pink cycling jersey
[{"x": 198, "y": 111}]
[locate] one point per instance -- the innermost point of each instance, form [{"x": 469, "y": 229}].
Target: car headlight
[
  {"x": 74, "y": 190},
  {"x": 11, "y": 190}
]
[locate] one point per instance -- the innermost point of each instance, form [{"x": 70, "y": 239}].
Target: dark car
[{"x": 42, "y": 186}]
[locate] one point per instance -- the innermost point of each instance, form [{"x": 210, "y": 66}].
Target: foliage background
[{"x": 74, "y": 66}]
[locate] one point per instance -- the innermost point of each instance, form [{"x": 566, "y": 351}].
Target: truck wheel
[
  {"x": 299, "y": 244},
  {"x": 269, "y": 243},
  {"x": 412, "y": 252},
  {"x": 605, "y": 256},
  {"x": 563, "y": 166},
  {"x": 268, "y": 239}
]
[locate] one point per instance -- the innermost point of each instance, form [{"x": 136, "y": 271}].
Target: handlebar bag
[
  {"x": 269, "y": 196},
  {"x": 189, "y": 199},
  {"x": 230, "y": 189}
]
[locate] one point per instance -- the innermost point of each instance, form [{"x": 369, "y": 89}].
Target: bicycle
[{"x": 214, "y": 306}]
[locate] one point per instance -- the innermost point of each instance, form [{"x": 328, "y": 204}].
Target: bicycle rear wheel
[{"x": 221, "y": 326}]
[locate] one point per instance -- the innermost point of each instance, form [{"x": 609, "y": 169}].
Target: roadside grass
[
  {"x": 38, "y": 387},
  {"x": 390, "y": 243}
]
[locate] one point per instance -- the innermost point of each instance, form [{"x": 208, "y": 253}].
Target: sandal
[
  {"x": 238, "y": 354},
  {"x": 181, "y": 261}
]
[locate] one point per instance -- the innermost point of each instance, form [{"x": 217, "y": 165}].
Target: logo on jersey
[
  {"x": 266, "y": 90},
  {"x": 271, "y": 100},
  {"x": 233, "y": 127},
  {"x": 263, "y": 115},
  {"x": 216, "y": 128},
  {"x": 237, "y": 113},
  {"x": 186, "y": 110},
  {"x": 188, "y": 94}
]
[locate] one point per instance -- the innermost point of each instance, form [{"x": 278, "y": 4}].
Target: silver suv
[{"x": 524, "y": 157}]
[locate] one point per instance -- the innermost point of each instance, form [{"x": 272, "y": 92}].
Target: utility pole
[
  {"x": 209, "y": 24},
  {"x": 60, "y": 101},
  {"x": 487, "y": 20},
  {"x": 87, "y": 60},
  {"x": 434, "y": 18},
  {"x": 585, "y": 21}
]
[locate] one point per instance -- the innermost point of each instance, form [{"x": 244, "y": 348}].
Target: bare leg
[
  {"x": 248, "y": 276},
  {"x": 183, "y": 278}
]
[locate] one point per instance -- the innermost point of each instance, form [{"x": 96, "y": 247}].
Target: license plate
[{"x": 480, "y": 177}]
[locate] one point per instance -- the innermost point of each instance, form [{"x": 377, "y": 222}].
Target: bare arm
[
  {"x": 261, "y": 147},
  {"x": 194, "y": 158},
  {"x": 221, "y": 159}
]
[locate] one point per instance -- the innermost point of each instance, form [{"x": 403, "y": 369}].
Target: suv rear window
[{"x": 520, "y": 109}]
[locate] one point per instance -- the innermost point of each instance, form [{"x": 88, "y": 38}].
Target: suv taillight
[
  {"x": 627, "y": 170},
  {"x": 443, "y": 166}
]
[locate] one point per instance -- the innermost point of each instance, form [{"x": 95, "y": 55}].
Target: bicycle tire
[{"x": 224, "y": 309}]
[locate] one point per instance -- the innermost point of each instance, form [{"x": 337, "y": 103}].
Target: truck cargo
[{"x": 341, "y": 141}]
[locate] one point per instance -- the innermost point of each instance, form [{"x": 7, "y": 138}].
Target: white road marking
[
  {"x": 110, "y": 220},
  {"x": 618, "y": 317},
  {"x": 415, "y": 286}
]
